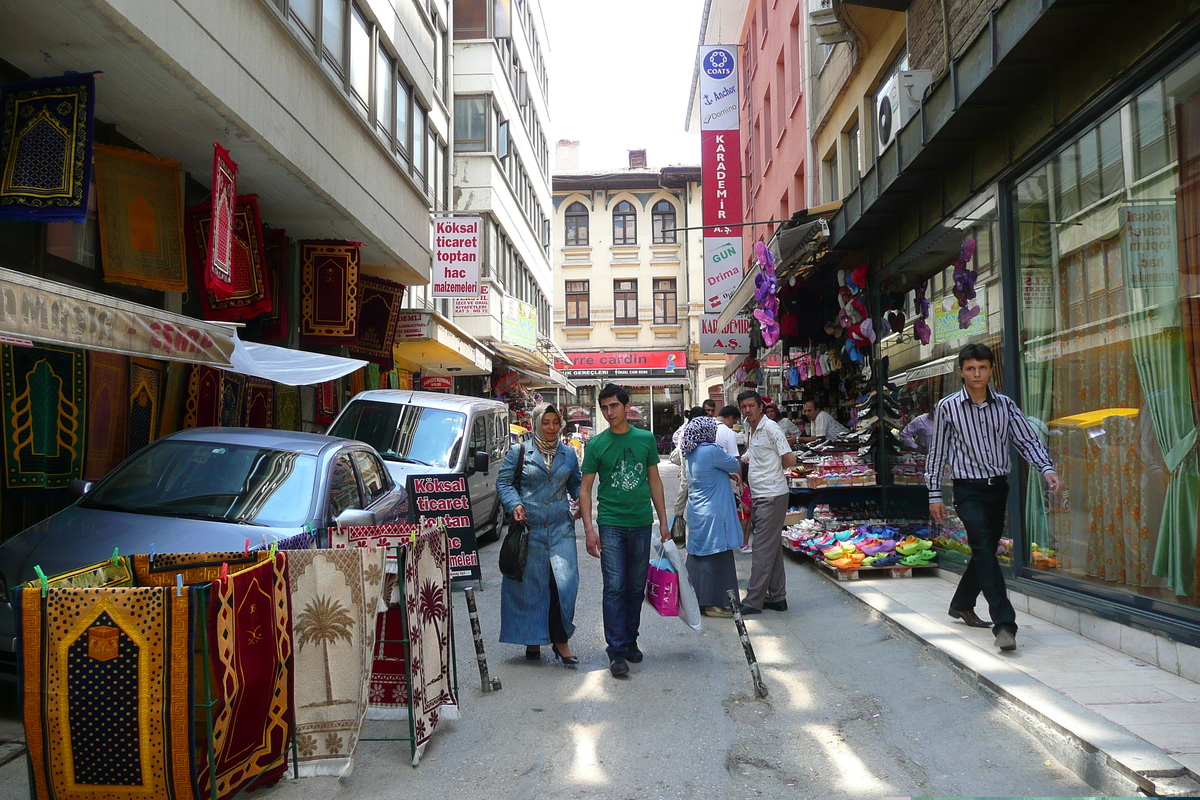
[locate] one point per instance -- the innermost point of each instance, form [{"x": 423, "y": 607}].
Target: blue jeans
[{"x": 624, "y": 557}]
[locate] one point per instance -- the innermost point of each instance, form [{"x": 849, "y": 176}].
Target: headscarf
[
  {"x": 698, "y": 431},
  {"x": 547, "y": 446}
]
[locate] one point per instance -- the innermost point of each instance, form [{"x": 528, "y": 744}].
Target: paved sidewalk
[{"x": 1119, "y": 722}]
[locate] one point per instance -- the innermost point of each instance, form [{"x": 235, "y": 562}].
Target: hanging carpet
[
  {"x": 251, "y": 294},
  {"x": 145, "y": 401},
  {"x": 140, "y": 208},
  {"x": 274, "y": 322},
  {"x": 233, "y": 398},
  {"x": 217, "y": 255},
  {"x": 174, "y": 397},
  {"x": 43, "y": 415},
  {"x": 287, "y": 408},
  {"x": 378, "y": 310},
  {"x": 46, "y": 148},
  {"x": 328, "y": 404},
  {"x": 108, "y": 390},
  {"x": 329, "y": 291},
  {"x": 203, "y": 408},
  {"x": 260, "y": 403}
]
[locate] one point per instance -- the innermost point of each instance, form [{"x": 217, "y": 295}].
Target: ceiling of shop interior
[{"x": 164, "y": 115}]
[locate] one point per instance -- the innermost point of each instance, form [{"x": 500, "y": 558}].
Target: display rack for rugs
[
  {"x": 403, "y": 539},
  {"x": 122, "y": 621}
]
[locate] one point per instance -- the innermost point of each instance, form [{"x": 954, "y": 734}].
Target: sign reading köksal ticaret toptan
[
  {"x": 456, "y": 246},
  {"x": 721, "y": 173}
]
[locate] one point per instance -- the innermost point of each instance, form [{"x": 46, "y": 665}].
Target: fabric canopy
[{"x": 289, "y": 367}]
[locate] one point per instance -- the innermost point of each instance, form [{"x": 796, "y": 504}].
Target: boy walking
[{"x": 622, "y": 462}]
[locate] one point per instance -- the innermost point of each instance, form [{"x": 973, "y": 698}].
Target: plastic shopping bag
[
  {"x": 689, "y": 608},
  {"x": 662, "y": 587}
]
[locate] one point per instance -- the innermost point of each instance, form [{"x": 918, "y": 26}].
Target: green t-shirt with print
[{"x": 621, "y": 463}]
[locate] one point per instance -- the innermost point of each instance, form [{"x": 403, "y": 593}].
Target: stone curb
[{"x": 1096, "y": 749}]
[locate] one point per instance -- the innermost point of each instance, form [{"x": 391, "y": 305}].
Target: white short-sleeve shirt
[
  {"x": 765, "y": 448},
  {"x": 727, "y": 439}
]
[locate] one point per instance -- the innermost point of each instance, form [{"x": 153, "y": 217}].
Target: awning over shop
[
  {"x": 789, "y": 246},
  {"x": 520, "y": 357},
  {"x": 740, "y": 299},
  {"x": 427, "y": 342},
  {"x": 543, "y": 380},
  {"x": 289, "y": 367}
]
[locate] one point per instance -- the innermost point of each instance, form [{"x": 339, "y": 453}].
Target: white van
[{"x": 431, "y": 432}]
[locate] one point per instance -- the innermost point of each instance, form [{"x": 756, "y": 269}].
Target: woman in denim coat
[{"x": 541, "y": 609}]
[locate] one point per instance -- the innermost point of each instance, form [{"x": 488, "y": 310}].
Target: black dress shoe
[
  {"x": 568, "y": 661},
  {"x": 618, "y": 668},
  {"x": 777, "y": 606},
  {"x": 533, "y": 652},
  {"x": 745, "y": 609},
  {"x": 633, "y": 655},
  {"x": 969, "y": 616}
]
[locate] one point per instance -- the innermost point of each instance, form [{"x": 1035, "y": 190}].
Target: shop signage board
[
  {"x": 519, "y": 324},
  {"x": 1149, "y": 245},
  {"x": 473, "y": 306},
  {"x": 945, "y": 320},
  {"x": 721, "y": 171},
  {"x": 456, "y": 246},
  {"x": 51, "y": 313},
  {"x": 734, "y": 338},
  {"x": 631, "y": 363},
  {"x": 1037, "y": 288},
  {"x": 413, "y": 326},
  {"x": 447, "y": 498},
  {"x": 437, "y": 382}
]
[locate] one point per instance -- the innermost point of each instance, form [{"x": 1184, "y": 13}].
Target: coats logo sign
[{"x": 718, "y": 63}]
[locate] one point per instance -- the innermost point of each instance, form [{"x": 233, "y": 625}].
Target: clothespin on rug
[
  {"x": 152, "y": 552},
  {"x": 273, "y": 549},
  {"x": 178, "y": 584},
  {"x": 225, "y": 566},
  {"x": 246, "y": 551},
  {"x": 42, "y": 578},
  {"x": 116, "y": 556}
]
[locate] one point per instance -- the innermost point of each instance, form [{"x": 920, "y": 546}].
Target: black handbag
[{"x": 514, "y": 551}]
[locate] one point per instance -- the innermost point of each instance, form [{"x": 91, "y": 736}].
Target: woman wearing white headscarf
[
  {"x": 541, "y": 608},
  {"x": 713, "y": 528}
]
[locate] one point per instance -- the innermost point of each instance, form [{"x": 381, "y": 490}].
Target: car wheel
[{"x": 498, "y": 527}]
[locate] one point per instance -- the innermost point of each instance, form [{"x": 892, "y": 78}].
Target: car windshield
[
  {"x": 428, "y": 436},
  {"x": 214, "y": 481}
]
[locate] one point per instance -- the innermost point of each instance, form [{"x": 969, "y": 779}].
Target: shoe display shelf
[{"x": 872, "y": 549}]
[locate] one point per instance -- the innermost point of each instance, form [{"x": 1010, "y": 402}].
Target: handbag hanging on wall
[{"x": 515, "y": 550}]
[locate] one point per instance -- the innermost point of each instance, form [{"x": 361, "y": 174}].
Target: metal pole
[
  {"x": 760, "y": 688},
  {"x": 487, "y": 682}
]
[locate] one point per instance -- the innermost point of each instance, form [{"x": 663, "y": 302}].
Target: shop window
[
  {"x": 1110, "y": 346},
  {"x": 578, "y": 303},
  {"x": 663, "y": 222},
  {"x": 625, "y": 302},
  {"x": 471, "y": 123},
  {"x": 665, "y": 312},
  {"x": 624, "y": 224}
]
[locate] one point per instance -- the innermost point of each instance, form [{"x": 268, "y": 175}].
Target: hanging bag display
[{"x": 515, "y": 550}]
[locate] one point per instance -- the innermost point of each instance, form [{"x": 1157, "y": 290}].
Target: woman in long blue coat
[
  {"x": 712, "y": 523},
  {"x": 541, "y": 608}
]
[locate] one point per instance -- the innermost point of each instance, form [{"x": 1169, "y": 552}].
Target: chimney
[
  {"x": 566, "y": 156},
  {"x": 637, "y": 159}
]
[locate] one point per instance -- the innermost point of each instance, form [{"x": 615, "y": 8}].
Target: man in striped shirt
[{"x": 972, "y": 431}]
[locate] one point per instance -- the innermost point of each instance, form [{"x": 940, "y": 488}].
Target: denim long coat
[
  {"x": 712, "y": 523},
  {"x": 525, "y": 605}
]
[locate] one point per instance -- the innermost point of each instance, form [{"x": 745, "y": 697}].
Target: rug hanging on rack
[
  {"x": 217, "y": 252},
  {"x": 260, "y": 403},
  {"x": 145, "y": 401},
  {"x": 108, "y": 389},
  {"x": 378, "y": 311},
  {"x": 274, "y": 322},
  {"x": 233, "y": 399},
  {"x": 139, "y": 202},
  {"x": 328, "y": 401},
  {"x": 250, "y": 295},
  {"x": 44, "y": 401},
  {"x": 46, "y": 148},
  {"x": 287, "y": 408},
  {"x": 203, "y": 408},
  {"x": 329, "y": 291}
]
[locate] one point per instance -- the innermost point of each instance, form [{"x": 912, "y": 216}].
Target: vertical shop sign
[
  {"x": 721, "y": 174},
  {"x": 456, "y": 256},
  {"x": 519, "y": 324},
  {"x": 445, "y": 498},
  {"x": 734, "y": 338}
]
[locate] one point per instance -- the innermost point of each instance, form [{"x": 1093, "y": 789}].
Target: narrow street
[{"x": 855, "y": 709}]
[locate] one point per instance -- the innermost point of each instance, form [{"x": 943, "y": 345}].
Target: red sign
[
  {"x": 721, "y": 173},
  {"x": 437, "y": 382},
  {"x": 631, "y": 362}
]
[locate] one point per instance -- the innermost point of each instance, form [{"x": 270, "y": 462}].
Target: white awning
[{"x": 289, "y": 367}]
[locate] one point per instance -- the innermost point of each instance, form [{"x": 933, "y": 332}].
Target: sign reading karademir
[
  {"x": 446, "y": 498},
  {"x": 456, "y": 247},
  {"x": 734, "y": 338},
  {"x": 721, "y": 174}
]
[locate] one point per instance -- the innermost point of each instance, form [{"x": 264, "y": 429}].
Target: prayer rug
[
  {"x": 251, "y": 295},
  {"x": 329, "y": 292},
  {"x": 46, "y": 148},
  {"x": 203, "y": 408},
  {"x": 161, "y": 569},
  {"x": 145, "y": 401},
  {"x": 301, "y": 541},
  {"x": 356, "y": 382},
  {"x": 378, "y": 310},
  {"x": 335, "y": 598},
  {"x": 287, "y": 408},
  {"x": 233, "y": 398},
  {"x": 174, "y": 397},
  {"x": 260, "y": 403},
  {"x": 108, "y": 390},
  {"x": 106, "y": 692},
  {"x": 328, "y": 403},
  {"x": 44, "y": 396},
  {"x": 114, "y": 573},
  {"x": 217, "y": 254},
  {"x": 372, "y": 377},
  {"x": 274, "y": 322},
  {"x": 140, "y": 207},
  {"x": 250, "y": 624}
]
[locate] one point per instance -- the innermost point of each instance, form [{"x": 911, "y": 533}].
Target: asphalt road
[{"x": 855, "y": 709}]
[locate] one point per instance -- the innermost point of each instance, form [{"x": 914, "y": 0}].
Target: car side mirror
[
  {"x": 355, "y": 518},
  {"x": 481, "y": 462},
  {"x": 79, "y": 487}
]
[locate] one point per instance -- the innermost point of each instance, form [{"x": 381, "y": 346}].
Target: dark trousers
[
  {"x": 981, "y": 509},
  {"x": 554, "y": 623}
]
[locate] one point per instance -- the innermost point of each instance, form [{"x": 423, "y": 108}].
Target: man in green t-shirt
[{"x": 623, "y": 464}]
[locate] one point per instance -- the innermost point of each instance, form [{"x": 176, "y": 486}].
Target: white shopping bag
[{"x": 689, "y": 608}]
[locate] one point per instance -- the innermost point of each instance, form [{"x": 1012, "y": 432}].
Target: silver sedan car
[{"x": 203, "y": 490}]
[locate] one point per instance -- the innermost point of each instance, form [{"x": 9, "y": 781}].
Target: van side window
[
  {"x": 479, "y": 439},
  {"x": 499, "y": 434}
]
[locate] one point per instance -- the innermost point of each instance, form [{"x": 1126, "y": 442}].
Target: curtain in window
[
  {"x": 1187, "y": 116},
  {"x": 1038, "y": 375}
]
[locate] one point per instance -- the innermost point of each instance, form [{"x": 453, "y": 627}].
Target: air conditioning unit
[
  {"x": 826, "y": 26},
  {"x": 898, "y": 101},
  {"x": 820, "y": 12}
]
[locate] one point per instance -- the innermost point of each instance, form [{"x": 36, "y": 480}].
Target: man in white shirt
[
  {"x": 820, "y": 424},
  {"x": 726, "y": 438},
  {"x": 790, "y": 431},
  {"x": 769, "y": 456}
]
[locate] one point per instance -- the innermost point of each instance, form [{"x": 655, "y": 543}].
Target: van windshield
[{"x": 428, "y": 436}]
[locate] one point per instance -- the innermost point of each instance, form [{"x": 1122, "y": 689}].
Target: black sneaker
[
  {"x": 633, "y": 655},
  {"x": 618, "y": 667}
]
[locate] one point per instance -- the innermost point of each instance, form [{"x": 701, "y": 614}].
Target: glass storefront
[{"x": 1107, "y": 239}]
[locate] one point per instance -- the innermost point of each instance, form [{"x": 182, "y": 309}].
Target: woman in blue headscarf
[{"x": 713, "y": 528}]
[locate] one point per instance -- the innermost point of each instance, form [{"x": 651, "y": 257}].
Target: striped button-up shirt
[{"x": 973, "y": 438}]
